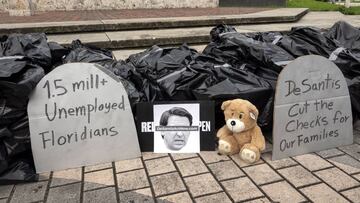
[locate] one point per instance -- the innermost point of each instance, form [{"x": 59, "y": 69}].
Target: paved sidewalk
[{"x": 328, "y": 176}]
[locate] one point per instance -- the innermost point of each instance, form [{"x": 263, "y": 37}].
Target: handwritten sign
[
  {"x": 79, "y": 114},
  {"x": 312, "y": 108}
]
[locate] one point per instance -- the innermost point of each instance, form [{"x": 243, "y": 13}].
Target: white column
[{"x": 347, "y": 3}]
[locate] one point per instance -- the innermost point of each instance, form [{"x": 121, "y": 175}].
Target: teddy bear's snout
[{"x": 235, "y": 125}]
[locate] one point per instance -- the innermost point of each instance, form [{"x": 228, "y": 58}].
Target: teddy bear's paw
[
  {"x": 248, "y": 155},
  {"x": 224, "y": 147}
]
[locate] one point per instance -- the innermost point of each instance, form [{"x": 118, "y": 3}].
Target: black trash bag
[
  {"x": 179, "y": 85},
  {"x": 128, "y": 72},
  {"x": 219, "y": 30},
  {"x": 200, "y": 72},
  {"x": 34, "y": 46},
  {"x": 4, "y": 132},
  {"x": 345, "y": 34},
  {"x": 269, "y": 37},
  {"x": 19, "y": 141},
  {"x": 19, "y": 171},
  {"x": 127, "y": 75},
  {"x": 89, "y": 54},
  {"x": 58, "y": 52},
  {"x": 224, "y": 51},
  {"x": 9, "y": 114},
  {"x": 297, "y": 46},
  {"x": 18, "y": 77},
  {"x": 258, "y": 96},
  {"x": 348, "y": 61},
  {"x": 243, "y": 78},
  {"x": 264, "y": 60},
  {"x": 157, "y": 62},
  {"x": 332, "y": 44},
  {"x": 354, "y": 91},
  {"x": 347, "y": 55},
  {"x": 157, "y": 65},
  {"x": 224, "y": 82},
  {"x": 303, "y": 41},
  {"x": 3, "y": 157},
  {"x": 11, "y": 65},
  {"x": 237, "y": 49}
]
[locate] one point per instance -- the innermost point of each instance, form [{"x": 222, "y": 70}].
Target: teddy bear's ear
[
  {"x": 252, "y": 115},
  {"x": 253, "y": 112},
  {"x": 225, "y": 104}
]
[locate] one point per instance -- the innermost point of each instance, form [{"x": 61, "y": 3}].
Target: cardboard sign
[
  {"x": 168, "y": 128},
  {"x": 79, "y": 115},
  {"x": 312, "y": 108}
]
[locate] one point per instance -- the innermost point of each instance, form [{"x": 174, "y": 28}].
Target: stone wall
[
  {"x": 49, "y": 5},
  {"x": 4, "y": 5}
]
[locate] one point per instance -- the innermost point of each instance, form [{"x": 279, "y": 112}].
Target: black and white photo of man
[{"x": 177, "y": 128}]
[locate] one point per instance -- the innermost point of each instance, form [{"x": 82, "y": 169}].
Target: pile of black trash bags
[{"x": 233, "y": 65}]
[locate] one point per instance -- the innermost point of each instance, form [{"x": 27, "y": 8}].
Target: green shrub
[{"x": 350, "y": 11}]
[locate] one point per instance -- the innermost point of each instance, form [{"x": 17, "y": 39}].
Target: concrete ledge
[
  {"x": 192, "y": 35},
  {"x": 271, "y": 16},
  {"x": 96, "y": 39},
  {"x": 139, "y": 38}
]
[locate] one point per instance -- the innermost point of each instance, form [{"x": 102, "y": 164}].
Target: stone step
[
  {"x": 137, "y": 38},
  {"x": 280, "y": 15},
  {"x": 195, "y": 35}
]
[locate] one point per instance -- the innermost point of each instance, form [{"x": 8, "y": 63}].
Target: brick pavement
[
  {"x": 61, "y": 16},
  {"x": 328, "y": 176}
]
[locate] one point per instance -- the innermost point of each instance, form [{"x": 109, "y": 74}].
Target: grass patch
[{"x": 314, "y": 5}]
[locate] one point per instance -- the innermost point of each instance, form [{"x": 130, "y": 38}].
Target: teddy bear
[{"x": 241, "y": 134}]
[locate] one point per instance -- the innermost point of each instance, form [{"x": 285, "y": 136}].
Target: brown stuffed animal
[{"x": 241, "y": 132}]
